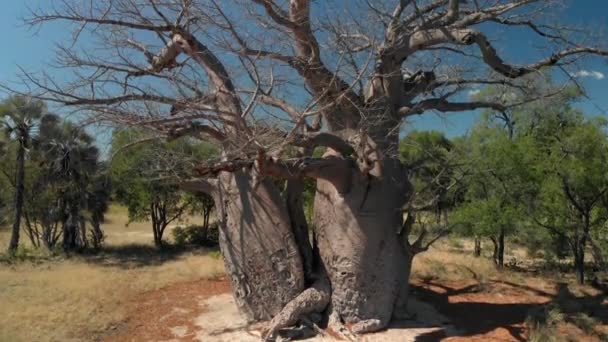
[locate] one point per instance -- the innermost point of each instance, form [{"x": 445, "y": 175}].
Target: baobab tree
[{"x": 270, "y": 80}]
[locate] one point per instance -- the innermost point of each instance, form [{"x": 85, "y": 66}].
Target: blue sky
[{"x": 34, "y": 50}]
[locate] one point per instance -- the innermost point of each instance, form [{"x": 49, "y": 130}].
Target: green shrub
[
  {"x": 543, "y": 322},
  {"x": 585, "y": 322},
  {"x": 456, "y": 243},
  {"x": 195, "y": 235}
]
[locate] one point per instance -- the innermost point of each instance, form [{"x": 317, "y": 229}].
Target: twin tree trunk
[{"x": 267, "y": 253}]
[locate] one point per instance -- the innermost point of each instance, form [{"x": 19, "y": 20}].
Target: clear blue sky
[{"x": 34, "y": 50}]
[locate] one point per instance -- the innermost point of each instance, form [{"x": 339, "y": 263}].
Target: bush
[
  {"x": 585, "y": 322},
  {"x": 195, "y": 235},
  {"x": 543, "y": 322}
]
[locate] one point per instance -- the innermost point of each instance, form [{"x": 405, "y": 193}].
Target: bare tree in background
[{"x": 268, "y": 81}]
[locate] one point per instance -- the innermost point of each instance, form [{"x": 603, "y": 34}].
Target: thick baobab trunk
[
  {"x": 18, "y": 200},
  {"x": 366, "y": 260},
  {"x": 258, "y": 245}
]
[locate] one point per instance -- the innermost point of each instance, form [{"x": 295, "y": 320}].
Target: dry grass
[
  {"x": 441, "y": 262},
  {"x": 77, "y": 298}
]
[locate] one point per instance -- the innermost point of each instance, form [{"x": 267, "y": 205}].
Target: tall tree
[
  {"x": 499, "y": 185},
  {"x": 305, "y": 63},
  {"x": 572, "y": 200},
  {"x": 19, "y": 116}
]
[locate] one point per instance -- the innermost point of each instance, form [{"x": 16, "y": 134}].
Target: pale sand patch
[
  {"x": 180, "y": 331},
  {"x": 221, "y": 322}
]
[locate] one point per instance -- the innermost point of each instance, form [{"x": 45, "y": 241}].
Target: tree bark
[
  {"x": 579, "y": 250},
  {"x": 70, "y": 229},
  {"x": 579, "y": 263},
  {"x": 295, "y": 207},
  {"x": 18, "y": 200},
  {"x": 495, "y": 252},
  {"x": 257, "y": 244},
  {"x": 357, "y": 233},
  {"x": 500, "y": 261},
  {"x": 477, "y": 250}
]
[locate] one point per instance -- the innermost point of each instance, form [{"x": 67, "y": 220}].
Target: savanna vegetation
[{"x": 273, "y": 135}]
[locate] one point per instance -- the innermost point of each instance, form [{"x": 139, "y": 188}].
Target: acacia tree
[
  {"x": 498, "y": 187},
  {"x": 261, "y": 75},
  {"x": 141, "y": 180},
  {"x": 433, "y": 173},
  {"x": 571, "y": 201}
]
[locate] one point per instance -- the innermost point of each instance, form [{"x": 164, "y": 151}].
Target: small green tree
[
  {"x": 497, "y": 186},
  {"x": 431, "y": 169},
  {"x": 146, "y": 177}
]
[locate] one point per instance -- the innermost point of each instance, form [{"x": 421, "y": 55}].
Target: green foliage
[
  {"x": 536, "y": 173},
  {"x": 196, "y": 235},
  {"x": 146, "y": 176},
  {"x": 431, "y": 168},
  {"x": 500, "y": 180}
]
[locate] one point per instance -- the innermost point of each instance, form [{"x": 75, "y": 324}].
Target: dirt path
[{"x": 458, "y": 311}]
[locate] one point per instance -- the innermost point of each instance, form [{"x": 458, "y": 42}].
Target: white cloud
[
  {"x": 589, "y": 73},
  {"x": 474, "y": 92}
]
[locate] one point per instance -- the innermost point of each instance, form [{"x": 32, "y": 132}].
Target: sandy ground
[
  {"x": 205, "y": 311},
  {"x": 450, "y": 311},
  {"x": 221, "y": 322}
]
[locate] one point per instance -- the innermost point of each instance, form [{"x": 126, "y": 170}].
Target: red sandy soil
[
  {"x": 497, "y": 310},
  {"x": 153, "y": 313},
  {"x": 494, "y": 311}
]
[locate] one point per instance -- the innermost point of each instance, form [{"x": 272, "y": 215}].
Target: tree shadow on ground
[
  {"x": 473, "y": 318},
  {"x": 141, "y": 255}
]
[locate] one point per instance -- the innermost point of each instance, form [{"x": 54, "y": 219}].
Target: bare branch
[{"x": 207, "y": 186}]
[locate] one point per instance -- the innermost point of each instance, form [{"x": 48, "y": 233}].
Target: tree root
[
  {"x": 312, "y": 300},
  {"x": 370, "y": 325},
  {"x": 335, "y": 324}
]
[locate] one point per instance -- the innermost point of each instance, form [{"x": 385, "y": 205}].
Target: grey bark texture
[
  {"x": 358, "y": 242},
  {"x": 258, "y": 245}
]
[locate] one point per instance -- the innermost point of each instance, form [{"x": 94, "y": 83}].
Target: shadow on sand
[
  {"x": 142, "y": 255},
  {"x": 471, "y": 318}
]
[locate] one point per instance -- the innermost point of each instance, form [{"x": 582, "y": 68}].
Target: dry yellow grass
[
  {"x": 73, "y": 299},
  {"x": 444, "y": 262}
]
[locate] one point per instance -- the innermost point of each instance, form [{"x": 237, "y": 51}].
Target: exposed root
[
  {"x": 312, "y": 300},
  {"x": 367, "y": 326},
  {"x": 336, "y": 326}
]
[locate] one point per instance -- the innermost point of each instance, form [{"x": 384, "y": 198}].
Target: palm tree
[
  {"x": 19, "y": 115},
  {"x": 74, "y": 162}
]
